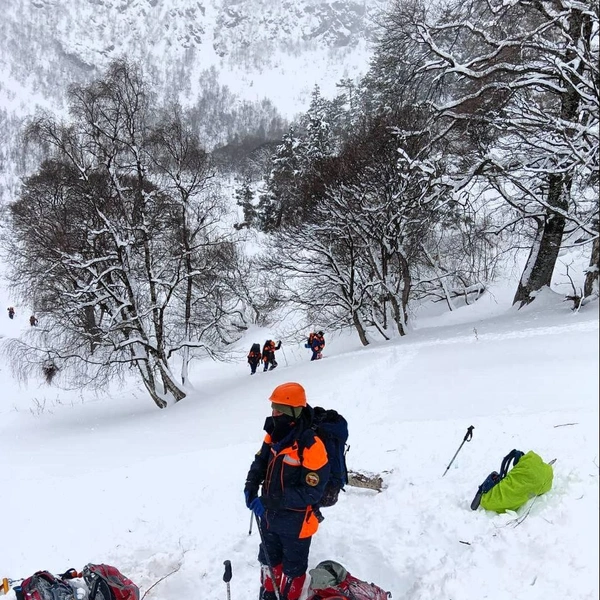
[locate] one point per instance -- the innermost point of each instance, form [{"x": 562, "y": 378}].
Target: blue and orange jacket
[
  {"x": 318, "y": 343},
  {"x": 294, "y": 472}
]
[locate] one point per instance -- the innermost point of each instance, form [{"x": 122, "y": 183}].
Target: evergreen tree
[
  {"x": 244, "y": 196},
  {"x": 279, "y": 202}
]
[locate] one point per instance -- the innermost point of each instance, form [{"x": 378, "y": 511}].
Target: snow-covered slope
[
  {"x": 263, "y": 48},
  {"x": 114, "y": 480},
  {"x": 274, "y": 49}
]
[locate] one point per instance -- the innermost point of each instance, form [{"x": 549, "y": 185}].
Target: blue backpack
[
  {"x": 332, "y": 429},
  {"x": 494, "y": 478}
]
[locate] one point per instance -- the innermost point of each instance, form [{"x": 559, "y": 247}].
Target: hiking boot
[
  {"x": 291, "y": 587},
  {"x": 268, "y": 595}
]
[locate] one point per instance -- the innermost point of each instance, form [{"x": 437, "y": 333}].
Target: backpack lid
[{"x": 326, "y": 574}]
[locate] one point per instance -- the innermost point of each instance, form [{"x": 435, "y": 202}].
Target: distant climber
[
  {"x": 316, "y": 345},
  {"x": 268, "y": 354},
  {"x": 254, "y": 357}
]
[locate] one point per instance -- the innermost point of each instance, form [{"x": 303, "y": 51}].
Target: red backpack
[
  {"x": 42, "y": 585},
  {"x": 108, "y": 583},
  {"x": 330, "y": 581}
]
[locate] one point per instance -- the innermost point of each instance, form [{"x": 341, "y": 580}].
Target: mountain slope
[
  {"x": 159, "y": 493},
  {"x": 47, "y": 44}
]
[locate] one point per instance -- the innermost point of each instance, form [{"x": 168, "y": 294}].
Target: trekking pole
[
  {"x": 251, "y": 521},
  {"x": 284, "y": 356},
  {"x": 227, "y": 577},
  {"x": 269, "y": 566},
  {"x": 468, "y": 437}
]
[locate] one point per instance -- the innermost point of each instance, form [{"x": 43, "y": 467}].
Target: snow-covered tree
[
  {"x": 279, "y": 203},
  {"x": 520, "y": 81},
  {"x": 366, "y": 239},
  {"x": 319, "y": 273},
  {"x": 116, "y": 241},
  {"x": 244, "y": 196}
]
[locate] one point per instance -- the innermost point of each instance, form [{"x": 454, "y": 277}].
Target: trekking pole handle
[
  {"x": 468, "y": 437},
  {"x": 227, "y": 574},
  {"x": 469, "y": 434}
]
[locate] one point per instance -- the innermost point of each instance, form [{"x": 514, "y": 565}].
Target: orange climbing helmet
[{"x": 290, "y": 394}]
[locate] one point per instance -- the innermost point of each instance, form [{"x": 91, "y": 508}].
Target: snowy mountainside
[
  {"x": 259, "y": 49},
  {"x": 159, "y": 493},
  {"x": 46, "y": 44}
]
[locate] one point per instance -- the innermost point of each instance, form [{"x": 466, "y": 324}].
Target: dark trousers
[
  {"x": 289, "y": 550},
  {"x": 270, "y": 361},
  {"x": 253, "y": 366}
]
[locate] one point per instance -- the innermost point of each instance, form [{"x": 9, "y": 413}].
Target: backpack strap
[
  {"x": 94, "y": 588},
  {"x": 513, "y": 456},
  {"x": 99, "y": 585},
  {"x": 494, "y": 478}
]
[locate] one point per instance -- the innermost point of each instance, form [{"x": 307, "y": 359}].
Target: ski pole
[
  {"x": 284, "y": 356},
  {"x": 468, "y": 437},
  {"x": 227, "y": 577},
  {"x": 269, "y": 566},
  {"x": 251, "y": 521}
]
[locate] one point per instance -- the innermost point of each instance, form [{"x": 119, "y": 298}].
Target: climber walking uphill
[
  {"x": 292, "y": 482},
  {"x": 316, "y": 342},
  {"x": 268, "y": 354},
  {"x": 254, "y": 358}
]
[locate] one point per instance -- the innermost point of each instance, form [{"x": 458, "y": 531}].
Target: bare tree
[
  {"x": 525, "y": 72},
  {"x": 116, "y": 238},
  {"x": 354, "y": 261}
]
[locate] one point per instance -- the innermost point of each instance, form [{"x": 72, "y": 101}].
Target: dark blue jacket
[{"x": 293, "y": 474}]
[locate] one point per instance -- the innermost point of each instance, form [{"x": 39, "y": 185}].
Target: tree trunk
[
  {"x": 150, "y": 382},
  {"x": 399, "y": 313},
  {"x": 169, "y": 383},
  {"x": 379, "y": 326},
  {"x": 591, "y": 279},
  {"x": 544, "y": 252},
  {"x": 188, "y": 292},
  {"x": 362, "y": 334},
  {"x": 542, "y": 259},
  {"x": 155, "y": 371}
]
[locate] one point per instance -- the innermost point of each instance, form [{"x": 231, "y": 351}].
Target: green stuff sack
[{"x": 530, "y": 477}]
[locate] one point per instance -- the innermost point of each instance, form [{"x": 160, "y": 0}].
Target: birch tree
[{"x": 115, "y": 241}]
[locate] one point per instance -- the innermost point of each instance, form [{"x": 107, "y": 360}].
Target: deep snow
[{"x": 112, "y": 479}]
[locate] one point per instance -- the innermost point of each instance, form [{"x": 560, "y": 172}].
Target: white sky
[{"x": 113, "y": 479}]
